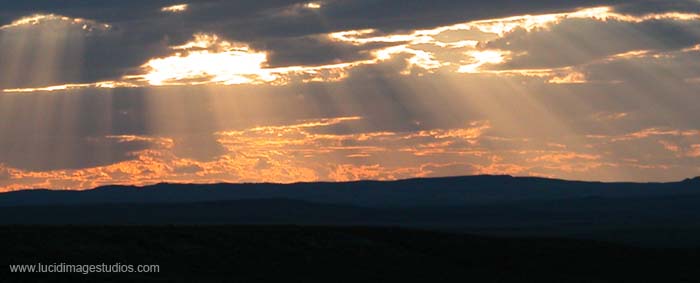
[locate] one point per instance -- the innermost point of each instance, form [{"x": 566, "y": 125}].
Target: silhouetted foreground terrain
[
  {"x": 450, "y": 191},
  {"x": 647, "y": 214},
  {"x": 548, "y": 231},
  {"x": 333, "y": 254}
]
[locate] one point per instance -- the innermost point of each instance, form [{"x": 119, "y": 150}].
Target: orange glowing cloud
[{"x": 300, "y": 152}]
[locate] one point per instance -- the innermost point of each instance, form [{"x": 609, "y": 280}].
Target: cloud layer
[{"x": 204, "y": 91}]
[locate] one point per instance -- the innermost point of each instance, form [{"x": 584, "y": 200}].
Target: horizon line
[{"x": 346, "y": 182}]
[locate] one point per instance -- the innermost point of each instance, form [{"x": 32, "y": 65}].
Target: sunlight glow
[
  {"x": 105, "y": 84},
  {"x": 229, "y": 63},
  {"x": 570, "y": 78},
  {"x": 35, "y": 20},
  {"x": 236, "y": 66},
  {"x": 220, "y": 62},
  {"x": 208, "y": 59},
  {"x": 313, "y": 5},
  {"x": 299, "y": 152},
  {"x": 530, "y": 22},
  {"x": 528, "y": 94},
  {"x": 175, "y": 8},
  {"x": 42, "y": 18},
  {"x": 482, "y": 58}
]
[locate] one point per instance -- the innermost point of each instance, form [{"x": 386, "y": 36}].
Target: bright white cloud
[{"x": 175, "y": 8}]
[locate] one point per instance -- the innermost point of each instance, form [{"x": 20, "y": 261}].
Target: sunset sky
[{"x": 141, "y": 92}]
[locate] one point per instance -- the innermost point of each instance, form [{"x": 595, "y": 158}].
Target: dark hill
[
  {"x": 453, "y": 191},
  {"x": 660, "y": 214}
]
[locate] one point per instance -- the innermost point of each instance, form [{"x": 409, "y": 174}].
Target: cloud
[
  {"x": 46, "y": 50},
  {"x": 4, "y": 175},
  {"x": 309, "y": 150},
  {"x": 579, "y": 41},
  {"x": 202, "y": 147},
  {"x": 188, "y": 169},
  {"x": 314, "y": 50},
  {"x": 45, "y": 152},
  {"x": 656, "y": 6},
  {"x": 179, "y": 8},
  {"x": 674, "y": 67},
  {"x": 139, "y": 32},
  {"x": 278, "y": 91}
]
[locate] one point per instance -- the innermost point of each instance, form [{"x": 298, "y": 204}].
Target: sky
[{"x": 141, "y": 92}]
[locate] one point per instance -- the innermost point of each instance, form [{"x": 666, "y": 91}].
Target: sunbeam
[{"x": 566, "y": 93}]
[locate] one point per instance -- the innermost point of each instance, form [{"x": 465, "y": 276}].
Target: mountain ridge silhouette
[
  {"x": 648, "y": 213},
  {"x": 444, "y": 191}
]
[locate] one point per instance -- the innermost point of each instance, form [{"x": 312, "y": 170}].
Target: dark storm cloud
[
  {"x": 139, "y": 30},
  {"x": 578, "y": 41},
  {"x": 338, "y": 14},
  {"x": 654, "y": 6},
  {"x": 673, "y": 67},
  {"x": 103, "y": 10},
  {"x": 313, "y": 50}
]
